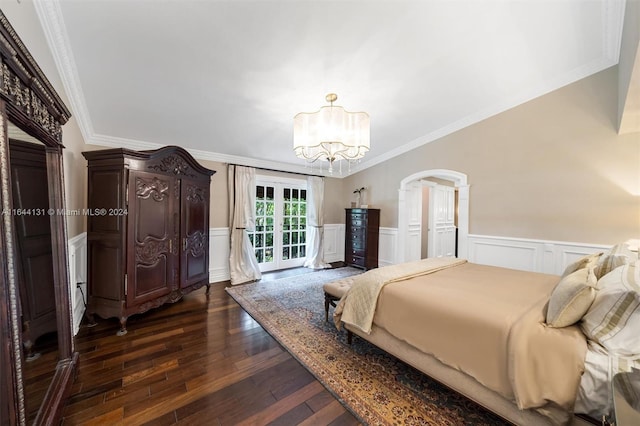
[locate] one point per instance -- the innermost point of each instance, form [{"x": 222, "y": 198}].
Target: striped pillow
[
  {"x": 613, "y": 320},
  {"x": 571, "y": 298},
  {"x": 616, "y": 256}
]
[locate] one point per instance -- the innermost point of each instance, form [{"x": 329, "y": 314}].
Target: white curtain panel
[
  {"x": 243, "y": 266},
  {"x": 315, "y": 223}
]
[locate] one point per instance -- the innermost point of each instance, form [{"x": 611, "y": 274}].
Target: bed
[{"x": 506, "y": 355}]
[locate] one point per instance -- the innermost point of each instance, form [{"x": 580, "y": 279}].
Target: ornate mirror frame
[{"x": 28, "y": 100}]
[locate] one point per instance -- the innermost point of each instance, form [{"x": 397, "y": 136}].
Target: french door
[
  {"x": 442, "y": 229},
  {"x": 280, "y": 235}
]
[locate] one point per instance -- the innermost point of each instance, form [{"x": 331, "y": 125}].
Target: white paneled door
[
  {"x": 442, "y": 229},
  {"x": 280, "y": 233}
]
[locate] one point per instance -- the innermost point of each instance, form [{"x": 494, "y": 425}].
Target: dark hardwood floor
[{"x": 200, "y": 361}]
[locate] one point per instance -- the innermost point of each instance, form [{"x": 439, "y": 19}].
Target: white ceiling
[{"x": 225, "y": 78}]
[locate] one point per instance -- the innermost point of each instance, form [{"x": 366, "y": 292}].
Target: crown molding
[
  {"x": 612, "y": 28},
  {"x": 116, "y": 142},
  {"x": 56, "y": 34}
]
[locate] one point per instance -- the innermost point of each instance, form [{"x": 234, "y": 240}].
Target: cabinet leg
[
  {"x": 123, "y": 327},
  {"x": 29, "y": 354},
  {"x": 27, "y": 343},
  {"x": 91, "y": 319},
  {"x": 327, "y": 302},
  {"x": 207, "y": 291}
]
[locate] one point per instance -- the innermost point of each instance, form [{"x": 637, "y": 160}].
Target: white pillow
[
  {"x": 613, "y": 320},
  {"x": 571, "y": 298}
]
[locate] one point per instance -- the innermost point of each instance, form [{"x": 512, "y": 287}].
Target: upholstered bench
[{"x": 333, "y": 292}]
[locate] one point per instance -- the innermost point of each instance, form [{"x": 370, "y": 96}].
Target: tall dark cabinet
[
  {"x": 147, "y": 230},
  {"x": 361, "y": 237}
]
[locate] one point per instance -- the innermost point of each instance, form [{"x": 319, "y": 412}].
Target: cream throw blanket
[{"x": 358, "y": 305}]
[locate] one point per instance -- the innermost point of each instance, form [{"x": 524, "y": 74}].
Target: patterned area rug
[{"x": 376, "y": 387}]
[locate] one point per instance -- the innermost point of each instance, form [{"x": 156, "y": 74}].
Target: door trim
[{"x": 406, "y": 200}]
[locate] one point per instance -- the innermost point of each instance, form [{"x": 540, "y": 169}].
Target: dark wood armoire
[
  {"x": 361, "y": 237},
  {"x": 147, "y": 230}
]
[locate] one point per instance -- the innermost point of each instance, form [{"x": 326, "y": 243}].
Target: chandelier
[{"x": 331, "y": 134}]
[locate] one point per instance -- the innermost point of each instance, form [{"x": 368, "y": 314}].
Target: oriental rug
[{"x": 375, "y": 386}]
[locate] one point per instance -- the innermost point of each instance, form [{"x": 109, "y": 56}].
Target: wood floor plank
[
  {"x": 327, "y": 415},
  {"x": 320, "y": 400},
  {"x": 147, "y": 372},
  {"x": 166, "y": 420},
  {"x": 111, "y": 418},
  {"x": 282, "y": 406},
  {"x": 261, "y": 356},
  {"x": 293, "y": 417},
  {"x": 229, "y": 404},
  {"x": 125, "y": 356},
  {"x": 204, "y": 385},
  {"x": 202, "y": 360},
  {"x": 157, "y": 337},
  {"x": 133, "y": 407},
  {"x": 129, "y": 392}
]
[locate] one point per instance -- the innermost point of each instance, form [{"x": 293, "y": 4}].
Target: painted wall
[
  {"x": 553, "y": 168},
  {"x": 220, "y": 194},
  {"x": 219, "y": 209},
  {"x": 24, "y": 20}
]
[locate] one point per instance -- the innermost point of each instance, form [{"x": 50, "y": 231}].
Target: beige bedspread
[
  {"x": 359, "y": 307},
  {"x": 489, "y": 323}
]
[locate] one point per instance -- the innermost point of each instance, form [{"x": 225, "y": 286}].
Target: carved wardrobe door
[
  {"x": 194, "y": 214},
  {"x": 152, "y": 267}
]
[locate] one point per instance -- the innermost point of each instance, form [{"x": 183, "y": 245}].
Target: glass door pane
[
  {"x": 279, "y": 238},
  {"x": 294, "y": 230},
  {"x": 262, "y": 238}
]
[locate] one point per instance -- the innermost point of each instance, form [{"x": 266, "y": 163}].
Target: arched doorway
[{"x": 410, "y": 217}]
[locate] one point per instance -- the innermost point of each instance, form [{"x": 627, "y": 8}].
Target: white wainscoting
[
  {"x": 387, "y": 246},
  {"x": 550, "y": 257},
  {"x": 333, "y": 242},
  {"x": 219, "y": 250},
  {"x": 77, "y": 247},
  {"x": 545, "y": 256},
  {"x": 219, "y": 241}
]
